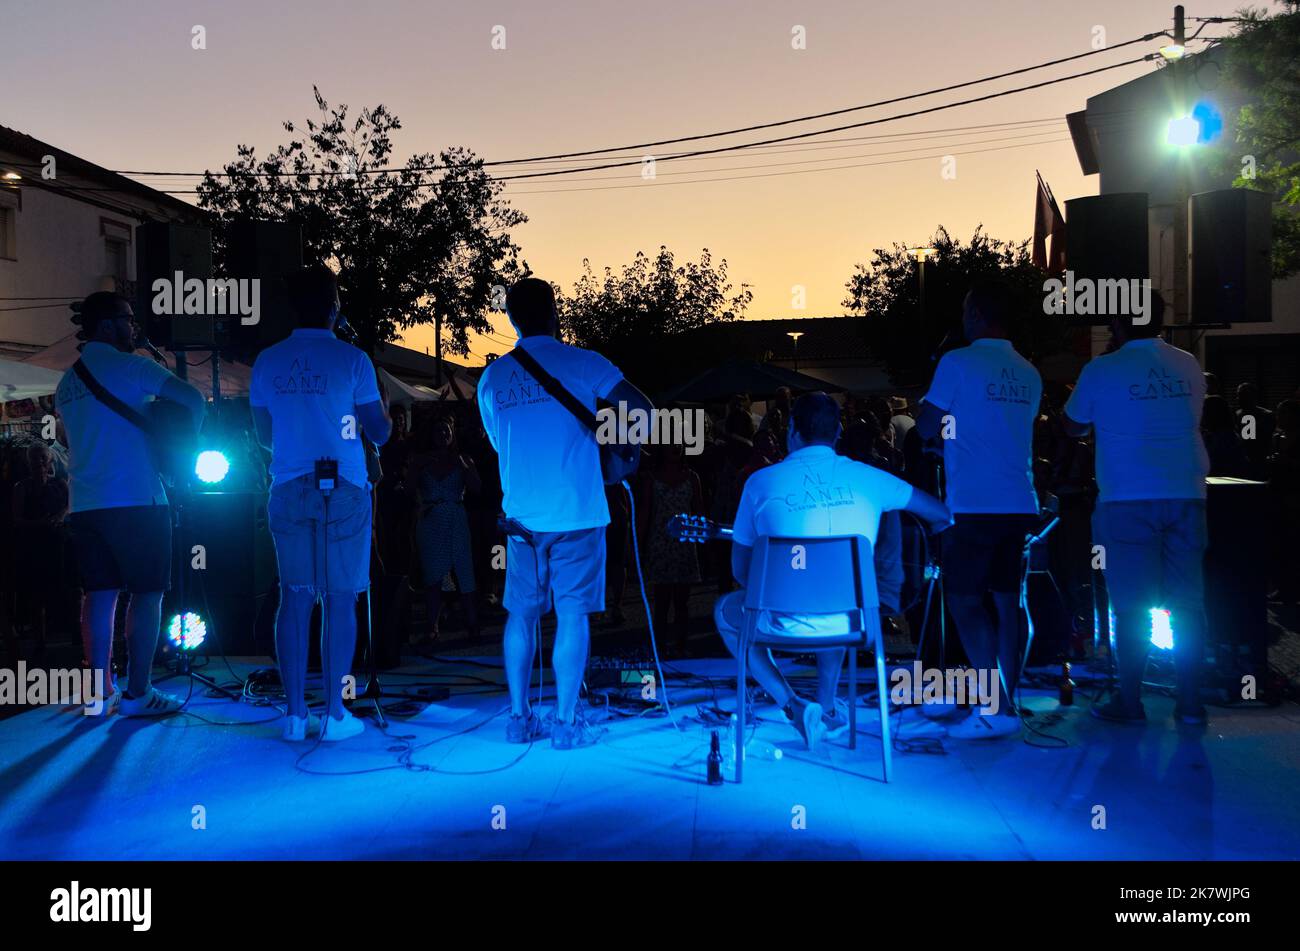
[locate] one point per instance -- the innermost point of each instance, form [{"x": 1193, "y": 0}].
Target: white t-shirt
[
  {"x": 1144, "y": 401},
  {"x": 814, "y": 493},
  {"x": 109, "y": 460},
  {"x": 992, "y": 393},
  {"x": 312, "y": 383},
  {"x": 550, "y": 463}
]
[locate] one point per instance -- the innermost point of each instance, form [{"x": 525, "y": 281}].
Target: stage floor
[{"x": 442, "y": 784}]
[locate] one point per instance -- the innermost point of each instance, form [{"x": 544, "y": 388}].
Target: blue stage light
[
  {"x": 211, "y": 466},
  {"x": 1162, "y": 629},
  {"x": 186, "y": 632}
]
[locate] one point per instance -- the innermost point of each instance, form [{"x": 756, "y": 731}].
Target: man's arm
[
  {"x": 930, "y": 422},
  {"x": 1074, "y": 428},
  {"x": 926, "y": 507},
  {"x": 178, "y": 391},
  {"x": 741, "y": 556},
  {"x": 375, "y": 422},
  {"x": 262, "y": 426},
  {"x": 624, "y": 392}
]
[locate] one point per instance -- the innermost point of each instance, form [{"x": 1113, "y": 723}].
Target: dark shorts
[
  {"x": 564, "y": 568},
  {"x": 124, "y": 549},
  {"x": 307, "y": 550},
  {"x": 982, "y": 553}
]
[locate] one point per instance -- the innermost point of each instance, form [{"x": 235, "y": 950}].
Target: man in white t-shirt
[
  {"x": 120, "y": 521},
  {"x": 313, "y": 396},
  {"x": 554, "y": 494},
  {"x": 1144, "y": 402},
  {"x": 981, "y": 406},
  {"x": 812, "y": 493}
]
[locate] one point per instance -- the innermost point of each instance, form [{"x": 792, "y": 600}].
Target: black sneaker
[
  {"x": 1116, "y": 711},
  {"x": 1190, "y": 715}
]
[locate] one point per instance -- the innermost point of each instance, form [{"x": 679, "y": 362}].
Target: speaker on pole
[
  {"x": 171, "y": 252},
  {"x": 1106, "y": 239},
  {"x": 268, "y": 252},
  {"x": 1230, "y": 238}
]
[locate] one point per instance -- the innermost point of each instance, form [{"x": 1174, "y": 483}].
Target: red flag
[{"x": 1048, "y": 222}]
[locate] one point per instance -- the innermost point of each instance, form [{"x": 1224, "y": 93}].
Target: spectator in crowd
[
  {"x": 439, "y": 475},
  {"x": 1224, "y": 446},
  {"x": 1284, "y": 481},
  {"x": 1255, "y": 425},
  {"x": 40, "y": 508},
  {"x": 672, "y": 488}
]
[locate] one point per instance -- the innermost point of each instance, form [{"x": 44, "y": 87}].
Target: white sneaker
[
  {"x": 297, "y": 728},
  {"x": 110, "y": 704},
  {"x": 979, "y": 727},
  {"x": 153, "y": 704},
  {"x": 940, "y": 709},
  {"x": 336, "y": 729}
]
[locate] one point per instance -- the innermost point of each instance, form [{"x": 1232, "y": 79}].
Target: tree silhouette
[{"x": 425, "y": 240}]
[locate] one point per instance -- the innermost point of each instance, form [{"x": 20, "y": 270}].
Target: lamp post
[
  {"x": 921, "y": 254},
  {"x": 795, "y": 335}
]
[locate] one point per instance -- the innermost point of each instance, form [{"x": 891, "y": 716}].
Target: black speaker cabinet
[
  {"x": 268, "y": 252},
  {"x": 1106, "y": 239},
  {"x": 1236, "y": 575},
  {"x": 162, "y": 251},
  {"x": 1230, "y": 235}
]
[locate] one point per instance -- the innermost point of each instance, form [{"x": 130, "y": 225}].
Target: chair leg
[
  {"x": 740, "y": 708},
  {"x": 882, "y": 689},
  {"x": 853, "y": 697}
]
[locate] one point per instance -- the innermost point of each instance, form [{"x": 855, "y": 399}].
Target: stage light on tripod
[
  {"x": 211, "y": 466},
  {"x": 186, "y": 631},
  {"x": 1162, "y": 629}
]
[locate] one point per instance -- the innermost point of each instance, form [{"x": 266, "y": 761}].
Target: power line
[
  {"x": 713, "y": 135},
  {"x": 802, "y": 171}
]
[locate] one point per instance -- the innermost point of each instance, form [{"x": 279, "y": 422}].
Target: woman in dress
[
  {"x": 438, "y": 475},
  {"x": 673, "y": 488}
]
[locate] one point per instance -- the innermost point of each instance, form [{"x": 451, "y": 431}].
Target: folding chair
[{"x": 833, "y": 575}]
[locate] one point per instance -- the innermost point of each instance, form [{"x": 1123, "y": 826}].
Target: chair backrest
[{"x": 830, "y": 575}]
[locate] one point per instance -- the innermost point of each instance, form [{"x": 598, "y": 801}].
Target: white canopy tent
[
  {"x": 24, "y": 381},
  {"x": 403, "y": 394}
]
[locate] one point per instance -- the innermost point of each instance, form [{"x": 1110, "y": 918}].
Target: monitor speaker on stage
[
  {"x": 172, "y": 252},
  {"x": 1106, "y": 239},
  {"x": 268, "y": 252},
  {"x": 1230, "y": 238}
]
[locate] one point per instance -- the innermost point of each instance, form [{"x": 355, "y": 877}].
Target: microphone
[
  {"x": 142, "y": 342},
  {"x": 344, "y": 330}
]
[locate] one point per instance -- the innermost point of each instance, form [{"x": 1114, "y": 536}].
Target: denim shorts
[{"x": 296, "y": 513}]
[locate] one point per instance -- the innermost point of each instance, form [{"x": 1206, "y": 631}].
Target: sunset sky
[{"x": 120, "y": 85}]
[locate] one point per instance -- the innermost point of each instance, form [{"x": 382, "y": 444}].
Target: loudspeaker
[
  {"x": 162, "y": 250},
  {"x": 1106, "y": 238},
  {"x": 1230, "y": 235},
  {"x": 268, "y": 252},
  {"x": 231, "y": 590},
  {"x": 1236, "y": 576}
]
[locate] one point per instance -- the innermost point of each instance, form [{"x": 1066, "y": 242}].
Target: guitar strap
[
  {"x": 556, "y": 389},
  {"x": 108, "y": 399}
]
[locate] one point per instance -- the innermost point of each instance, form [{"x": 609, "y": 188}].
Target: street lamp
[
  {"x": 795, "y": 335},
  {"x": 921, "y": 254}
]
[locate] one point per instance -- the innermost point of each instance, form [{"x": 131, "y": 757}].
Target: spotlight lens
[
  {"x": 1162, "y": 629},
  {"x": 1184, "y": 131},
  {"x": 211, "y": 466},
  {"x": 186, "y": 631}
]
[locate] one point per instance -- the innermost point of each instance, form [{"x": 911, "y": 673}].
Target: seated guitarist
[
  {"x": 121, "y": 521},
  {"x": 812, "y": 493}
]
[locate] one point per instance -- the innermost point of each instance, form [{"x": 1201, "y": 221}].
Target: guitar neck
[{"x": 697, "y": 528}]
